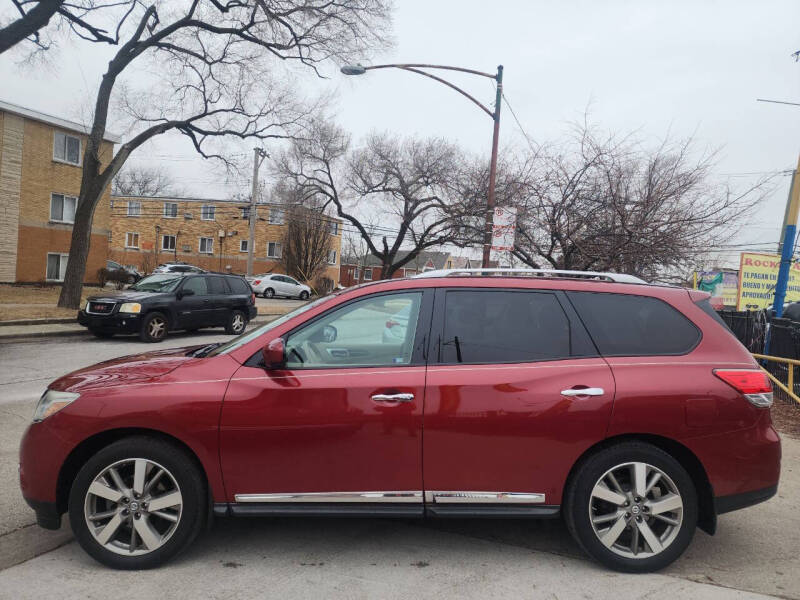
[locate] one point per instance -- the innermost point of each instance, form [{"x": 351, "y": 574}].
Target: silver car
[{"x": 272, "y": 284}]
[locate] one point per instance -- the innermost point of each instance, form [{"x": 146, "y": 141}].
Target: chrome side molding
[
  {"x": 403, "y": 496},
  {"x": 453, "y": 497}
]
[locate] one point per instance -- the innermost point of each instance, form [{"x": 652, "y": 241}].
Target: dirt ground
[
  {"x": 786, "y": 416},
  {"x": 35, "y": 302}
]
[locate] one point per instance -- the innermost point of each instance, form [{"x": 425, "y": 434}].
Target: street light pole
[
  {"x": 494, "y": 114},
  {"x": 258, "y": 157}
]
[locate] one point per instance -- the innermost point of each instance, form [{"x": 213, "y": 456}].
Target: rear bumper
[
  {"x": 733, "y": 502},
  {"x": 116, "y": 323},
  {"x": 252, "y": 311}
]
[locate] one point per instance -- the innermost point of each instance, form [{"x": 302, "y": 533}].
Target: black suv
[{"x": 168, "y": 301}]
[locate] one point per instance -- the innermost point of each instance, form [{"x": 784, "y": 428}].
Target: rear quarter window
[
  {"x": 238, "y": 286},
  {"x": 628, "y": 325}
]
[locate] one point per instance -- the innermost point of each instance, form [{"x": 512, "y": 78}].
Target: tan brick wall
[
  {"x": 189, "y": 231},
  {"x": 11, "y": 143},
  {"x": 41, "y": 176}
]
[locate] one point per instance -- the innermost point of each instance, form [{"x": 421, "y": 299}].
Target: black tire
[
  {"x": 103, "y": 335},
  {"x": 236, "y": 323},
  {"x": 149, "y": 331},
  {"x": 304, "y": 295},
  {"x": 269, "y": 293},
  {"x": 578, "y": 508},
  {"x": 192, "y": 513}
]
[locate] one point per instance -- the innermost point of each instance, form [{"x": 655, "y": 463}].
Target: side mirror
[
  {"x": 327, "y": 334},
  {"x": 274, "y": 354},
  {"x": 183, "y": 293}
]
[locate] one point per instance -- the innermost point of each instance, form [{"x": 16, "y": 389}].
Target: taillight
[
  {"x": 752, "y": 384},
  {"x": 253, "y": 298},
  {"x": 256, "y": 282}
]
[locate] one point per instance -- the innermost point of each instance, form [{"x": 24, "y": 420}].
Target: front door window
[{"x": 376, "y": 331}]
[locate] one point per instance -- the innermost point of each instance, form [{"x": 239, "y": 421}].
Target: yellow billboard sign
[{"x": 758, "y": 274}]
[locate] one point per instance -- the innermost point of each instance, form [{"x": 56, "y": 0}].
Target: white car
[{"x": 271, "y": 285}]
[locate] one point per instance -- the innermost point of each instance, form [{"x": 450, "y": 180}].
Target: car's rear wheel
[
  {"x": 632, "y": 507},
  {"x": 154, "y": 327},
  {"x": 137, "y": 503},
  {"x": 304, "y": 295},
  {"x": 269, "y": 293},
  {"x": 237, "y": 321}
]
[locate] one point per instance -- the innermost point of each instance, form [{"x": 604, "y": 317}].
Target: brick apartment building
[
  {"x": 210, "y": 233},
  {"x": 41, "y": 159},
  {"x": 355, "y": 270}
]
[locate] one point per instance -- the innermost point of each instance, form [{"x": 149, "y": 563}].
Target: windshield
[
  {"x": 166, "y": 282},
  {"x": 250, "y": 336}
]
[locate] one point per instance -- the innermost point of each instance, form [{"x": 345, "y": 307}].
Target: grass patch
[{"x": 36, "y": 302}]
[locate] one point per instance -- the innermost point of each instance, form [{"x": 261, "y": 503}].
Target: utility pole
[
  {"x": 487, "y": 236},
  {"x": 258, "y": 156}
]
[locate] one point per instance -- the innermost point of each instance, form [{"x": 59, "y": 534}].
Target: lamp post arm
[
  {"x": 450, "y": 85},
  {"x": 423, "y": 66}
]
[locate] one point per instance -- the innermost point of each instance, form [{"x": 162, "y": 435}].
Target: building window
[
  {"x": 132, "y": 240},
  {"x": 276, "y": 216},
  {"x": 171, "y": 210},
  {"x": 56, "y": 266},
  {"x": 331, "y": 257},
  {"x": 168, "y": 242},
  {"x": 66, "y": 148},
  {"x": 134, "y": 208},
  {"x": 334, "y": 228},
  {"x": 243, "y": 245},
  {"x": 356, "y": 274},
  {"x": 206, "y": 245},
  {"x": 367, "y": 274},
  {"x": 273, "y": 250},
  {"x": 208, "y": 211},
  {"x": 245, "y": 213},
  {"x": 62, "y": 208}
]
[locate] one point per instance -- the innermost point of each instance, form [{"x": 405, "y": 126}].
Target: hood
[
  {"x": 136, "y": 368},
  {"x": 126, "y": 296}
]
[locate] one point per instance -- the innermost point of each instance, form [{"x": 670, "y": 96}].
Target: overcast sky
[{"x": 679, "y": 67}]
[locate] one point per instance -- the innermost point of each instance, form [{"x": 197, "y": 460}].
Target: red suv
[{"x": 628, "y": 409}]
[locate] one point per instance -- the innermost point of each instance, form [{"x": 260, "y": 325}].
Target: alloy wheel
[
  {"x": 133, "y": 507},
  {"x": 237, "y": 323},
  {"x": 156, "y": 328},
  {"x": 636, "y": 510}
]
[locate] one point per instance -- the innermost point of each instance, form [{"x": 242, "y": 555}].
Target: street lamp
[{"x": 494, "y": 114}]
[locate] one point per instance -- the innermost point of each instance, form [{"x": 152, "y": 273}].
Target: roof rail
[{"x": 554, "y": 273}]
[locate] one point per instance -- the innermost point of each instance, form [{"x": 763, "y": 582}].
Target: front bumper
[{"x": 114, "y": 323}]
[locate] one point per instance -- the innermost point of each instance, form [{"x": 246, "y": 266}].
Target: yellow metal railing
[{"x": 790, "y": 363}]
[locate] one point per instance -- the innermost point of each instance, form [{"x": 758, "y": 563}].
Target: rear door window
[
  {"x": 628, "y": 325},
  {"x": 503, "y": 326},
  {"x": 217, "y": 286}
]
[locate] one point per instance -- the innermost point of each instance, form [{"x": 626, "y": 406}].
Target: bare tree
[
  {"x": 404, "y": 183},
  {"x": 85, "y": 18},
  {"x": 610, "y": 204},
  {"x": 306, "y": 241},
  {"x": 144, "y": 181},
  {"x": 213, "y": 64}
]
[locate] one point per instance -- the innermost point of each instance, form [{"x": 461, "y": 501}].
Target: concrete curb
[
  {"x": 30, "y": 541},
  {"x": 80, "y": 330}
]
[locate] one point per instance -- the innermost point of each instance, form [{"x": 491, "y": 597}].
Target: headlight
[
  {"x": 130, "y": 307},
  {"x": 51, "y": 402}
]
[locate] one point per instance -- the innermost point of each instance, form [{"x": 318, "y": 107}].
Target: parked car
[
  {"x": 628, "y": 409},
  {"x": 178, "y": 267},
  {"x": 131, "y": 273},
  {"x": 165, "y": 302},
  {"x": 272, "y": 284}
]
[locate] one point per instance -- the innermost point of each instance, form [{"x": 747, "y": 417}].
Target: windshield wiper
[{"x": 201, "y": 352}]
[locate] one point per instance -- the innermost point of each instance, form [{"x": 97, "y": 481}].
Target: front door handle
[
  {"x": 392, "y": 398},
  {"x": 583, "y": 392}
]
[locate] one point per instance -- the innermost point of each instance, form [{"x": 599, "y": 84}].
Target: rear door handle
[
  {"x": 583, "y": 392},
  {"x": 391, "y": 398}
]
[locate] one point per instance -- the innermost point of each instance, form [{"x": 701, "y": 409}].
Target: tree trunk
[{"x": 79, "y": 251}]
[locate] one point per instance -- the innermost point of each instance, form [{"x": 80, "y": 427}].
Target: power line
[{"x": 521, "y": 128}]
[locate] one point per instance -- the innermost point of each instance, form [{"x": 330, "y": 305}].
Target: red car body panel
[{"x": 470, "y": 427}]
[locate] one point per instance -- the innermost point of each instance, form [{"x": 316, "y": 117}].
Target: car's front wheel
[
  {"x": 154, "y": 327},
  {"x": 632, "y": 507},
  {"x": 137, "y": 503}
]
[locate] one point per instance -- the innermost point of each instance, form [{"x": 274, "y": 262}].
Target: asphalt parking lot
[{"x": 754, "y": 553}]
